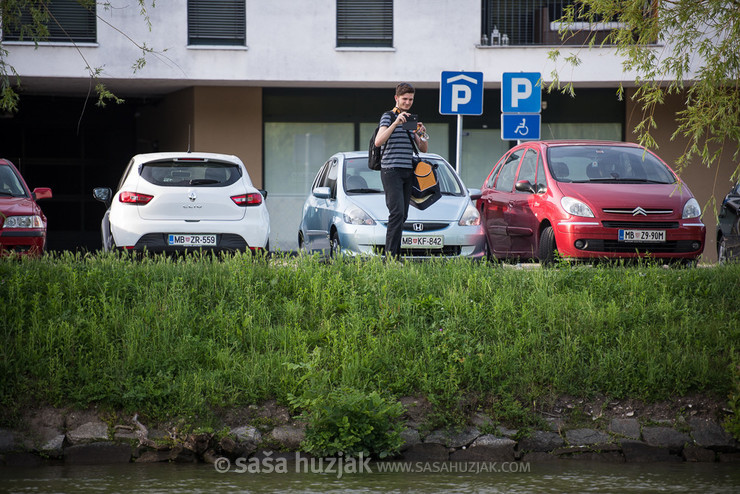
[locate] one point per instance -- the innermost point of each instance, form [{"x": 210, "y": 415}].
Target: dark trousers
[{"x": 397, "y": 185}]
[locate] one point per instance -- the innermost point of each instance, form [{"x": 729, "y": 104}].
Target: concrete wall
[
  {"x": 293, "y": 42},
  {"x": 229, "y": 120},
  {"x": 209, "y": 119}
]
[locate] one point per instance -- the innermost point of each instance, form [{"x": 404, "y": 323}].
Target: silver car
[{"x": 346, "y": 213}]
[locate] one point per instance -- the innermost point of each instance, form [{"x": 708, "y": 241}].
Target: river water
[{"x": 560, "y": 477}]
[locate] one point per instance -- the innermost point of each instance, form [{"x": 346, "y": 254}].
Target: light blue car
[{"x": 346, "y": 213}]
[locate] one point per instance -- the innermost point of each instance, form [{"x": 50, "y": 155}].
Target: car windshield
[
  {"x": 582, "y": 164},
  {"x": 188, "y": 173},
  {"x": 10, "y": 185},
  {"x": 359, "y": 179}
]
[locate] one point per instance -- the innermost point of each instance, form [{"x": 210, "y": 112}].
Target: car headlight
[
  {"x": 357, "y": 216},
  {"x": 576, "y": 207},
  {"x": 23, "y": 222},
  {"x": 471, "y": 217},
  {"x": 691, "y": 209}
]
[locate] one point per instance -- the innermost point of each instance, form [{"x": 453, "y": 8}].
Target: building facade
[{"x": 285, "y": 84}]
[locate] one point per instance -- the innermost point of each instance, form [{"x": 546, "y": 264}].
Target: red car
[
  {"x": 586, "y": 200},
  {"x": 23, "y": 223}
]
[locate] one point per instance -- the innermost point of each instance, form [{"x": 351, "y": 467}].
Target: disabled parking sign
[
  {"x": 520, "y": 126},
  {"x": 521, "y": 104},
  {"x": 461, "y": 93}
]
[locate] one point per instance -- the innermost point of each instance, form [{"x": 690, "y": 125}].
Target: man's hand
[{"x": 401, "y": 119}]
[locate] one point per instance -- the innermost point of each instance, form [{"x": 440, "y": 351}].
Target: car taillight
[
  {"x": 134, "y": 198},
  {"x": 253, "y": 199}
]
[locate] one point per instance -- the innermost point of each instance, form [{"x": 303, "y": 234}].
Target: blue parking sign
[
  {"x": 461, "y": 93},
  {"x": 521, "y": 92},
  {"x": 520, "y": 126}
]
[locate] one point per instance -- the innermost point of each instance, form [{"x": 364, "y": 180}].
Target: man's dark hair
[{"x": 404, "y": 88}]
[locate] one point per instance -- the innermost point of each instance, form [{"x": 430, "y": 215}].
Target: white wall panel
[{"x": 292, "y": 42}]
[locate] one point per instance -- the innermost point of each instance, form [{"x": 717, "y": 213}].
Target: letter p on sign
[
  {"x": 521, "y": 90},
  {"x": 461, "y": 95}
]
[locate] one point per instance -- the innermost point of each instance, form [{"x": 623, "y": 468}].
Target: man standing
[{"x": 397, "y": 171}]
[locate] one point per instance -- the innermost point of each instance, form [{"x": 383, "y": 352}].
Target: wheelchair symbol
[{"x": 522, "y": 128}]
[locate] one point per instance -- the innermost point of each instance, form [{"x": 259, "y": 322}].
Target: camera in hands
[{"x": 411, "y": 120}]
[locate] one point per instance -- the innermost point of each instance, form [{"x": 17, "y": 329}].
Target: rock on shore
[{"x": 619, "y": 432}]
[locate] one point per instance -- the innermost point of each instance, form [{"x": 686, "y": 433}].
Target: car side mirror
[
  {"x": 263, "y": 192},
  {"x": 475, "y": 194},
  {"x": 41, "y": 193},
  {"x": 103, "y": 194},
  {"x": 524, "y": 186},
  {"x": 322, "y": 192}
]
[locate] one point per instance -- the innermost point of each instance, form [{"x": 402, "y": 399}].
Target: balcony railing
[{"x": 534, "y": 22}]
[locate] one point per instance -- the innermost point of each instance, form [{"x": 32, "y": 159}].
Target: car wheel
[
  {"x": 335, "y": 247},
  {"x": 301, "y": 242},
  {"x": 548, "y": 248},
  {"x": 722, "y": 250}
]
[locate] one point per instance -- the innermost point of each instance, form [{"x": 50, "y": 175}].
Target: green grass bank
[{"x": 168, "y": 337}]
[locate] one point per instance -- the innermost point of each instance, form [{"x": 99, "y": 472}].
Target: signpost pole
[
  {"x": 458, "y": 147},
  {"x": 460, "y": 93}
]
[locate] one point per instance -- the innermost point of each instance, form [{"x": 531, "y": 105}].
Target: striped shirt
[{"x": 397, "y": 150}]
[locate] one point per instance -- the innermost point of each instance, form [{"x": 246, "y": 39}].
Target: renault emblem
[
  {"x": 418, "y": 227},
  {"x": 192, "y": 196},
  {"x": 639, "y": 210}
]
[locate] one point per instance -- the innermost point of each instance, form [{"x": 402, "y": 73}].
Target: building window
[
  {"x": 535, "y": 22},
  {"x": 65, "y": 21},
  {"x": 217, "y": 22},
  {"x": 364, "y": 23},
  {"x": 294, "y": 152}
]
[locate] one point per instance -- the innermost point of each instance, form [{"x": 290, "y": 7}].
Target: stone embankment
[{"x": 87, "y": 437}]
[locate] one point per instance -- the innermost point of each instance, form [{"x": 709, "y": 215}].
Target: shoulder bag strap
[
  {"x": 413, "y": 144},
  {"x": 383, "y": 146}
]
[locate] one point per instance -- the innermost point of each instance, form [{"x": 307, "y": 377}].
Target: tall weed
[{"x": 170, "y": 336}]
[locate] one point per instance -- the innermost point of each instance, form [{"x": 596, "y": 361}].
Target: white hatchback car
[{"x": 173, "y": 202}]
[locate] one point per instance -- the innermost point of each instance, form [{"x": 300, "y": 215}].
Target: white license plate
[
  {"x": 642, "y": 235},
  {"x": 422, "y": 242},
  {"x": 191, "y": 240}
]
